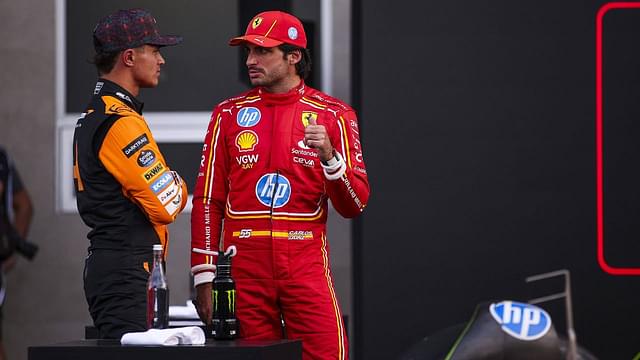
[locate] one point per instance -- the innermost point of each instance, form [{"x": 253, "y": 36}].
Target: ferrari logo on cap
[
  {"x": 307, "y": 116},
  {"x": 256, "y": 22}
]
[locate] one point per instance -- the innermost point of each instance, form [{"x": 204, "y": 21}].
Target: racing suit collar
[
  {"x": 110, "y": 88},
  {"x": 281, "y": 99}
]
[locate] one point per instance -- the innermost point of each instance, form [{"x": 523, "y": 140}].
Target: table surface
[
  {"x": 209, "y": 343},
  {"x": 98, "y": 349}
]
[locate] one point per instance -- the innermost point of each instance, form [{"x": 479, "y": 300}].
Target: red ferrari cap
[{"x": 272, "y": 28}]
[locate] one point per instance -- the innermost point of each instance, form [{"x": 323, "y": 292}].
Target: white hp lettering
[
  {"x": 247, "y": 118},
  {"x": 268, "y": 189}
]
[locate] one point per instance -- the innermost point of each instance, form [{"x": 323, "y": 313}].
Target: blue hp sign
[
  {"x": 522, "y": 321},
  {"x": 273, "y": 189},
  {"x": 248, "y": 117}
]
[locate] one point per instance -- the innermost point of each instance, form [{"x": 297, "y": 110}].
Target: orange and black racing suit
[{"x": 127, "y": 195}]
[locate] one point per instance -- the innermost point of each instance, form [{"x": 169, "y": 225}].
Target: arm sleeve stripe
[
  {"x": 345, "y": 140},
  {"x": 208, "y": 183}
]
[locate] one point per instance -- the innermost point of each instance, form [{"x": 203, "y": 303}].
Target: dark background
[
  {"x": 478, "y": 123},
  {"x": 197, "y": 74}
]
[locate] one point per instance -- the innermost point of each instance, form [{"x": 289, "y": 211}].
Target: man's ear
[
  {"x": 128, "y": 57},
  {"x": 294, "y": 57}
]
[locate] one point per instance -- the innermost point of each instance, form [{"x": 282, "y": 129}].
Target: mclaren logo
[{"x": 116, "y": 109}]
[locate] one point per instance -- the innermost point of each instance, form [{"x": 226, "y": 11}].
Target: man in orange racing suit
[
  {"x": 125, "y": 191},
  {"x": 271, "y": 159}
]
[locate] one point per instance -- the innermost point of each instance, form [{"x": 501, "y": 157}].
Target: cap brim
[
  {"x": 167, "y": 40},
  {"x": 256, "y": 40}
]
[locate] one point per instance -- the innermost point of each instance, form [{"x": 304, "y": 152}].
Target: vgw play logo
[{"x": 520, "y": 320}]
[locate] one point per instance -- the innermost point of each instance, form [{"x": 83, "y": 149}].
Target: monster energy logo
[
  {"x": 231, "y": 296},
  {"x": 231, "y": 300}
]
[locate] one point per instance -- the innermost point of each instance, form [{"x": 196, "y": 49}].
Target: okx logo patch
[
  {"x": 520, "y": 320},
  {"x": 273, "y": 190}
]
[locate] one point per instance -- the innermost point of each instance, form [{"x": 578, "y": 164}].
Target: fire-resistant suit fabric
[
  {"x": 258, "y": 175},
  {"x": 127, "y": 195}
]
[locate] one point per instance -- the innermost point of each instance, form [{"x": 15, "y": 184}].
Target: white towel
[
  {"x": 189, "y": 335},
  {"x": 183, "y": 312}
]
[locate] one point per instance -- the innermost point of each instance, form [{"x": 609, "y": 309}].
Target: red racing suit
[{"x": 257, "y": 174}]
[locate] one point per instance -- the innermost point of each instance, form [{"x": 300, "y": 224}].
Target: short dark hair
[
  {"x": 105, "y": 61},
  {"x": 303, "y": 67}
]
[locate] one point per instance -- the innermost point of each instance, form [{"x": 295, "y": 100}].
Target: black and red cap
[
  {"x": 131, "y": 28},
  {"x": 273, "y": 28}
]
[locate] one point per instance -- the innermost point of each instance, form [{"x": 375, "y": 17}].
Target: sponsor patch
[
  {"x": 520, "y": 320},
  {"x": 356, "y": 143},
  {"x": 352, "y": 192},
  {"x": 248, "y": 117},
  {"x": 360, "y": 170},
  {"x": 256, "y": 22},
  {"x": 123, "y": 96},
  {"x": 304, "y": 162},
  {"x": 300, "y": 235},
  {"x": 354, "y": 126},
  {"x": 302, "y": 145},
  {"x": 117, "y": 108},
  {"x": 246, "y": 140},
  {"x": 146, "y": 158},
  {"x": 293, "y": 33},
  {"x": 273, "y": 190},
  {"x": 162, "y": 181},
  {"x": 152, "y": 173},
  {"x": 98, "y": 87},
  {"x": 309, "y": 152},
  {"x": 174, "y": 205},
  {"x": 135, "y": 145},
  {"x": 308, "y": 116},
  {"x": 247, "y": 161},
  {"x": 168, "y": 193}
]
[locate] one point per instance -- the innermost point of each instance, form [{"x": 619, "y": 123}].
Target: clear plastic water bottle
[{"x": 157, "y": 293}]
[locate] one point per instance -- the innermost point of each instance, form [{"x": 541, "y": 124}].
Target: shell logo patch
[
  {"x": 308, "y": 116},
  {"x": 246, "y": 140}
]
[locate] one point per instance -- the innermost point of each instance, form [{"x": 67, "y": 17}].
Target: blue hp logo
[
  {"x": 273, "y": 188},
  {"x": 248, "y": 117},
  {"x": 522, "y": 321}
]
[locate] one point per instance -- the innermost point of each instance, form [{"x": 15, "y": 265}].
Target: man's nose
[{"x": 251, "y": 60}]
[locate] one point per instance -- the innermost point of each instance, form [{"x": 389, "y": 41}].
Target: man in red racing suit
[{"x": 271, "y": 159}]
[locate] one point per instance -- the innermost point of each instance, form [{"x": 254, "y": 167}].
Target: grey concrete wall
[{"x": 45, "y": 300}]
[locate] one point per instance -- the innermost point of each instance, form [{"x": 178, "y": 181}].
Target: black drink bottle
[
  {"x": 223, "y": 298},
  {"x": 157, "y": 294}
]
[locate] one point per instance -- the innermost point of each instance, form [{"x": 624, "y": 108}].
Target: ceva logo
[{"x": 520, "y": 320}]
